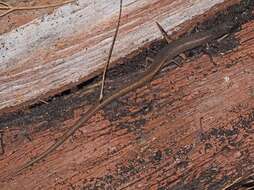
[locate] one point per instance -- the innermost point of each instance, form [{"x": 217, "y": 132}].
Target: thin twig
[
  {"x": 238, "y": 180},
  {"x": 10, "y": 8},
  {"x": 110, "y": 52}
]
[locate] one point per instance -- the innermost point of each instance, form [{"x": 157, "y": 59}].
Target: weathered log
[
  {"x": 196, "y": 132},
  {"x": 54, "y": 52}
]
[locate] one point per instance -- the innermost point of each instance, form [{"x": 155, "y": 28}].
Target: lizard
[{"x": 167, "y": 53}]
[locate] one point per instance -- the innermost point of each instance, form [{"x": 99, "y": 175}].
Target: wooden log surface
[
  {"x": 43, "y": 54},
  {"x": 192, "y": 128}
]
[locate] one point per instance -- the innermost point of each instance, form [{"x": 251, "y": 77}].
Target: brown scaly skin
[{"x": 165, "y": 55}]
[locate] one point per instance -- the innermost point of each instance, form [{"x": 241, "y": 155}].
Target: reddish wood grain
[{"x": 192, "y": 127}]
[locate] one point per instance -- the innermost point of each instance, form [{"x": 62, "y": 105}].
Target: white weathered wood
[{"x": 70, "y": 44}]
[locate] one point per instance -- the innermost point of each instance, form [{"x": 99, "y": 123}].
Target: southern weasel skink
[{"x": 165, "y": 55}]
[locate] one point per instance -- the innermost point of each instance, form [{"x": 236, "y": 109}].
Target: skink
[{"x": 164, "y": 56}]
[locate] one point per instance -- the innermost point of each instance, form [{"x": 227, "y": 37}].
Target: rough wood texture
[
  {"x": 191, "y": 129},
  {"x": 45, "y": 54}
]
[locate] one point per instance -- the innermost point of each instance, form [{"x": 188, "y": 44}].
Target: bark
[{"x": 192, "y": 127}]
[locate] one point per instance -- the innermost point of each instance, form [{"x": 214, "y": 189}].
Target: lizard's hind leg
[{"x": 169, "y": 40}]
